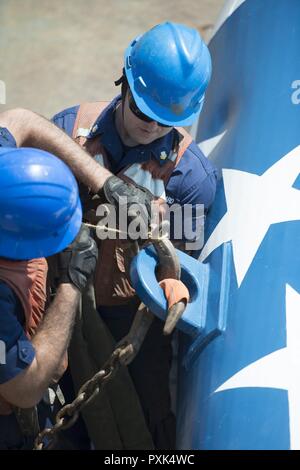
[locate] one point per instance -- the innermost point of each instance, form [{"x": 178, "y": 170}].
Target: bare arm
[
  {"x": 32, "y": 130},
  {"x": 50, "y": 343}
]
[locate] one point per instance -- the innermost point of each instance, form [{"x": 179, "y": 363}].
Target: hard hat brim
[
  {"x": 165, "y": 116},
  {"x": 43, "y": 247}
]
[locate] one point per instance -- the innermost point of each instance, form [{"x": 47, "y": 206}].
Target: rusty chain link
[
  {"x": 123, "y": 354},
  {"x": 68, "y": 415}
]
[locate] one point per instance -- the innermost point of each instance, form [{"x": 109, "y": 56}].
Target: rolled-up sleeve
[
  {"x": 6, "y": 138},
  {"x": 16, "y": 350},
  {"x": 66, "y": 119}
]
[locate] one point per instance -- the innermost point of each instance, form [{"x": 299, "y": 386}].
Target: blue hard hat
[
  {"x": 168, "y": 69},
  {"x": 40, "y": 209}
]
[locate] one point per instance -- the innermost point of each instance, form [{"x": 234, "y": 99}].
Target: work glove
[
  {"x": 128, "y": 198},
  {"x": 78, "y": 261}
]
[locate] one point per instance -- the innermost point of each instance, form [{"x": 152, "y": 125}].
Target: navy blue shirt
[
  {"x": 16, "y": 354},
  {"x": 193, "y": 181},
  {"x": 6, "y": 138},
  {"x": 16, "y": 350}
]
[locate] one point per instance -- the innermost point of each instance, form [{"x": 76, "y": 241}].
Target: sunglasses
[{"x": 138, "y": 113}]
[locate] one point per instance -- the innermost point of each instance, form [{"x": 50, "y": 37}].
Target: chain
[
  {"x": 68, "y": 415},
  {"x": 123, "y": 354}
]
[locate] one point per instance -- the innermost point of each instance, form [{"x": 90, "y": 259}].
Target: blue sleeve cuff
[
  {"x": 66, "y": 119},
  {"x": 17, "y": 359},
  {"x": 6, "y": 138}
]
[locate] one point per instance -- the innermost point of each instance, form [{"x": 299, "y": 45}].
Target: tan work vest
[
  {"x": 112, "y": 282},
  {"x": 28, "y": 281}
]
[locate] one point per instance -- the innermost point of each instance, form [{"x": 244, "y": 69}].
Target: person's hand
[
  {"x": 134, "y": 201},
  {"x": 78, "y": 261}
]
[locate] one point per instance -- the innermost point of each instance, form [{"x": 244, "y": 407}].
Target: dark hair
[{"x": 124, "y": 85}]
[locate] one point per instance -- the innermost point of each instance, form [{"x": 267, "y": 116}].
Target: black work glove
[
  {"x": 136, "y": 202},
  {"x": 78, "y": 261}
]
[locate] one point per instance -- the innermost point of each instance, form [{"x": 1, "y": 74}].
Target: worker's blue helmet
[
  {"x": 40, "y": 209},
  {"x": 168, "y": 69}
]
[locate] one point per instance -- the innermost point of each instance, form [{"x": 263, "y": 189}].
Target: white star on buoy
[
  {"x": 254, "y": 202},
  {"x": 209, "y": 145},
  {"x": 280, "y": 369}
]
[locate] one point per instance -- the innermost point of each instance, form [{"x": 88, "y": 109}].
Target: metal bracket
[{"x": 205, "y": 316}]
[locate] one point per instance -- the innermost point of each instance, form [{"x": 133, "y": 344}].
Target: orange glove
[{"x": 174, "y": 291}]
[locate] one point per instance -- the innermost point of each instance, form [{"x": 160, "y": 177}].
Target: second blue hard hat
[
  {"x": 168, "y": 69},
  {"x": 40, "y": 209}
]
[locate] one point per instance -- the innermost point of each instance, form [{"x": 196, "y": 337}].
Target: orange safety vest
[
  {"x": 112, "y": 281},
  {"x": 28, "y": 281}
]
